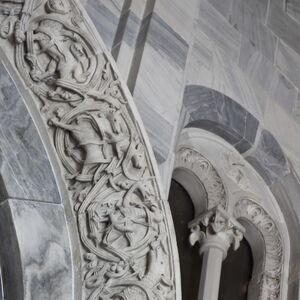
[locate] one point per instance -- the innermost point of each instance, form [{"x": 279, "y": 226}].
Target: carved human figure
[
  {"x": 58, "y": 6},
  {"x": 98, "y": 137},
  {"x": 119, "y": 215},
  {"x": 67, "y": 58}
]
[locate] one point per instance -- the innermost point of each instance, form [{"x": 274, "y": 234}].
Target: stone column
[{"x": 216, "y": 231}]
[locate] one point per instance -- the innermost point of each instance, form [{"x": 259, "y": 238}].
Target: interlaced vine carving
[
  {"x": 270, "y": 282},
  {"x": 121, "y": 218},
  {"x": 192, "y": 160}
]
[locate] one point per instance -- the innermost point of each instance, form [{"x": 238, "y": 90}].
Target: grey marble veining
[
  {"x": 164, "y": 39},
  {"x": 224, "y": 35},
  {"x": 293, "y": 8},
  {"x": 132, "y": 30},
  {"x": 259, "y": 36},
  {"x": 105, "y": 20},
  {"x": 268, "y": 158},
  {"x": 11, "y": 265},
  {"x": 285, "y": 27},
  {"x": 159, "y": 131},
  {"x": 287, "y": 189},
  {"x": 24, "y": 165},
  {"x": 288, "y": 62},
  {"x": 257, "y": 67},
  {"x": 213, "y": 111},
  {"x": 179, "y": 15},
  {"x": 223, "y": 7},
  {"x": 283, "y": 92},
  {"x": 41, "y": 247}
]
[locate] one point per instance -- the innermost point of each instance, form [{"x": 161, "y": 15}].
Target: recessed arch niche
[{"x": 214, "y": 173}]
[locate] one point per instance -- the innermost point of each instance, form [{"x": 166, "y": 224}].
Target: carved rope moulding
[{"x": 121, "y": 218}]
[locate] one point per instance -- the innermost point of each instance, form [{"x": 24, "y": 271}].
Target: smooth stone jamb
[
  {"x": 219, "y": 114},
  {"x": 25, "y": 171},
  {"x": 35, "y": 252},
  {"x": 11, "y": 270}
]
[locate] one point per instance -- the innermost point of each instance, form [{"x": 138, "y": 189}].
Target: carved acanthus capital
[{"x": 215, "y": 228}]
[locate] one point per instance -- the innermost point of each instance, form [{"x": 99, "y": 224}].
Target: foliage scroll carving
[
  {"x": 192, "y": 160},
  {"x": 270, "y": 281},
  {"x": 120, "y": 215}
]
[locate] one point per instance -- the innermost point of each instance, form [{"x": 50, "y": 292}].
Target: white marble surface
[{"x": 42, "y": 246}]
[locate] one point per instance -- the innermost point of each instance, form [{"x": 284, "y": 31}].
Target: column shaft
[{"x": 210, "y": 274}]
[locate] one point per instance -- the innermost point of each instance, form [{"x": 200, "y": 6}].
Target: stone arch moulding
[
  {"x": 270, "y": 280},
  {"x": 200, "y": 155},
  {"x": 189, "y": 161},
  {"x": 99, "y": 150}
]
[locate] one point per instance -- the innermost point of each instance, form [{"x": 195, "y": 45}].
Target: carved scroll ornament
[
  {"x": 192, "y": 160},
  {"x": 270, "y": 281},
  {"x": 121, "y": 218}
]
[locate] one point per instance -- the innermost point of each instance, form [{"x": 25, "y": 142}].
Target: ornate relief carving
[
  {"x": 121, "y": 218},
  {"x": 192, "y": 160},
  {"x": 273, "y": 264},
  {"x": 216, "y": 228}
]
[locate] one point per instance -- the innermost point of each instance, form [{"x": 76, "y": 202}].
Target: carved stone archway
[
  {"x": 204, "y": 158},
  {"x": 270, "y": 279},
  {"x": 98, "y": 148},
  {"x": 189, "y": 161}
]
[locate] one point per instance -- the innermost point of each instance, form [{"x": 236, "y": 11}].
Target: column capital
[{"x": 216, "y": 229}]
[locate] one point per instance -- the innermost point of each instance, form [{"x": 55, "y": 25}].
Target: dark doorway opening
[
  {"x": 190, "y": 262},
  {"x": 236, "y": 269},
  {"x": 236, "y": 273}
]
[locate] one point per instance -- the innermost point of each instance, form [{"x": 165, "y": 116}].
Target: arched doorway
[
  {"x": 213, "y": 178},
  {"x": 236, "y": 270}
]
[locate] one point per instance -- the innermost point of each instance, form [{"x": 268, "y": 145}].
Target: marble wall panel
[
  {"x": 225, "y": 36},
  {"x": 268, "y": 158},
  {"x": 284, "y": 127},
  {"x": 125, "y": 44},
  {"x": 159, "y": 85},
  {"x": 285, "y": 27},
  {"x": 288, "y": 62},
  {"x": 256, "y": 66},
  {"x": 165, "y": 40},
  {"x": 213, "y": 111},
  {"x": 159, "y": 130},
  {"x": 11, "y": 266},
  {"x": 283, "y": 92},
  {"x": 178, "y": 14},
  {"x": 293, "y": 8},
  {"x": 287, "y": 189},
  {"x": 156, "y": 87},
  {"x": 223, "y": 7},
  {"x": 24, "y": 165},
  {"x": 43, "y": 251},
  {"x": 105, "y": 15},
  {"x": 260, "y": 37}
]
